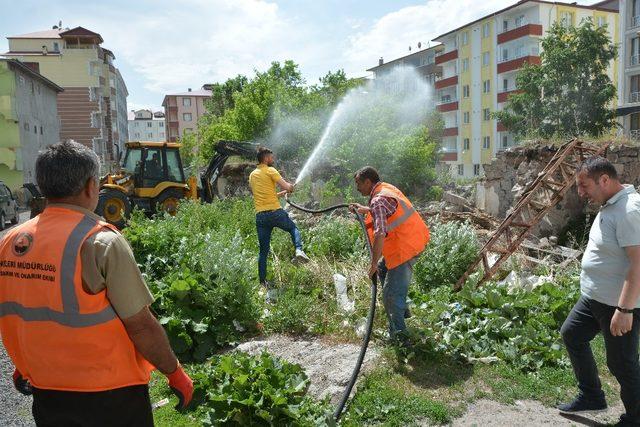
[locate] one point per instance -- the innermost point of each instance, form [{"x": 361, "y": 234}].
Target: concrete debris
[
  {"x": 328, "y": 365},
  {"x": 340, "y": 284}
]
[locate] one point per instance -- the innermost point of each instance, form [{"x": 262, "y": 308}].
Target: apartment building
[
  {"x": 92, "y": 107},
  {"x": 480, "y": 61},
  {"x": 628, "y": 82},
  {"x": 182, "y": 111},
  {"x": 424, "y": 61},
  {"x": 475, "y": 66},
  {"x": 28, "y": 120},
  {"x": 147, "y": 126}
]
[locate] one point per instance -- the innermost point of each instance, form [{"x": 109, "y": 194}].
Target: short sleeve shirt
[
  {"x": 263, "y": 186},
  {"x": 108, "y": 263},
  {"x": 605, "y": 263}
]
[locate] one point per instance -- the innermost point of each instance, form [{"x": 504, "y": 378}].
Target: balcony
[
  {"x": 504, "y": 94},
  {"x": 501, "y": 128},
  {"x": 449, "y": 156},
  {"x": 634, "y": 97},
  {"x": 635, "y": 22},
  {"x": 442, "y": 83},
  {"x": 447, "y": 105},
  {"x": 522, "y": 31},
  {"x": 452, "y": 131},
  {"x": 446, "y": 57},
  {"x": 510, "y": 64},
  {"x": 634, "y": 60}
]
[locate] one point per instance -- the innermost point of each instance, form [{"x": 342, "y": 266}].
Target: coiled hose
[{"x": 372, "y": 306}]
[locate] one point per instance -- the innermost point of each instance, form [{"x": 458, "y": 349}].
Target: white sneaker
[{"x": 301, "y": 256}]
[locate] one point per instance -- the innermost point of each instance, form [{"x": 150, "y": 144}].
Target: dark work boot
[{"x": 580, "y": 404}]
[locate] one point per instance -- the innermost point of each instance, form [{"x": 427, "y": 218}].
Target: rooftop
[
  {"x": 58, "y": 33},
  {"x": 20, "y": 65},
  {"x": 405, "y": 57}
]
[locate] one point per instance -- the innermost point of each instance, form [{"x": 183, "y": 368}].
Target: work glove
[
  {"x": 21, "y": 383},
  {"x": 182, "y": 386}
]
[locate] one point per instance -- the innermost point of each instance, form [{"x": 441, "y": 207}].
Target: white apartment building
[{"x": 147, "y": 126}]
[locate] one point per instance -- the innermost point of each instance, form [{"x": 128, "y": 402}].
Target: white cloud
[{"x": 392, "y": 34}]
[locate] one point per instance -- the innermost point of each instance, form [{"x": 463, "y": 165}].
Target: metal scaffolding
[{"x": 539, "y": 197}]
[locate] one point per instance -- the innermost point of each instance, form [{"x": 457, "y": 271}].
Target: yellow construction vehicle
[{"x": 152, "y": 178}]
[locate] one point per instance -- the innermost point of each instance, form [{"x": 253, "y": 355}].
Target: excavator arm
[{"x": 224, "y": 149}]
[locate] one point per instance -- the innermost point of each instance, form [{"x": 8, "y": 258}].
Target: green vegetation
[
  {"x": 240, "y": 390},
  {"x": 489, "y": 342},
  {"x": 569, "y": 93}
]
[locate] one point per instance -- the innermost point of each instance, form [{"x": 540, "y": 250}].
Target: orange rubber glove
[
  {"x": 182, "y": 386},
  {"x": 21, "y": 383}
]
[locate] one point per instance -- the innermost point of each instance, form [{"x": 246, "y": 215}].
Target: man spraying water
[{"x": 269, "y": 213}]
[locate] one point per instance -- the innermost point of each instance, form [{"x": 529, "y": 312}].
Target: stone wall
[{"x": 512, "y": 170}]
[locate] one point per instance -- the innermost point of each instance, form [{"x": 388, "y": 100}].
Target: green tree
[
  {"x": 222, "y": 95},
  {"x": 569, "y": 93}
]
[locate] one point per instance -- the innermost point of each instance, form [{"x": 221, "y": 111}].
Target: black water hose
[{"x": 372, "y": 306}]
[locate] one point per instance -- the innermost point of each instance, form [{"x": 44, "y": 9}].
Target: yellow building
[
  {"x": 92, "y": 107},
  {"x": 479, "y": 63}
]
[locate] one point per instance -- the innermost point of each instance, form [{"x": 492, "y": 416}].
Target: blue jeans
[
  {"x": 265, "y": 223},
  {"x": 395, "y": 284}
]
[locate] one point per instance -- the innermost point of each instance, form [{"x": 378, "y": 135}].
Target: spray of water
[
  {"x": 403, "y": 97},
  {"x": 321, "y": 145}
]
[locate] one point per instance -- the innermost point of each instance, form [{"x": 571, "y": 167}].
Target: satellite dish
[{"x": 419, "y": 45}]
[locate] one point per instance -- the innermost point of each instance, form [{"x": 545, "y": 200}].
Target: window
[
  {"x": 186, "y": 117},
  {"x": 505, "y": 26},
  {"x": 602, "y": 21},
  {"x": 150, "y": 135},
  {"x": 486, "y": 30},
  {"x": 35, "y": 129},
  {"x": 135, "y": 124},
  {"x": 56, "y": 47},
  {"x": 505, "y": 85},
  {"x": 635, "y": 51},
  {"x": 520, "y": 21},
  {"x": 40, "y": 130},
  {"x": 485, "y": 59},
  {"x": 161, "y": 124},
  {"x": 476, "y": 169},
  {"x": 174, "y": 166},
  {"x": 634, "y": 89},
  {"x": 465, "y": 117},
  {"x": 465, "y": 38},
  {"x": 486, "y": 86},
  {"x": 149, "y": 124},
  {"x": 137, "y": 135},
  {"x": 486, "y": 142},
  {"x": 465, "y": 91},
  {"x": 505, "y": 141},
  {"x": 460, "y": 169},
  {"x": 465, "y": 144},
  {"x": 465, "y": 64},
  {"x": 486, "y": 113},
  {"x": 186, "y": 102},
  {"x": 566, "y": 19},
  {"x": 505, "y": 55}
]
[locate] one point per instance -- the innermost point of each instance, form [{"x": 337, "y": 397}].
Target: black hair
[
  {"x": 262, "y": 153},
  {"x": 369, "y": 173},
  {"x": 596, "y": 166}
]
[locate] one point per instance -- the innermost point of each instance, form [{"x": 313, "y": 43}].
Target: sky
[{"x": 166, "y": 46}]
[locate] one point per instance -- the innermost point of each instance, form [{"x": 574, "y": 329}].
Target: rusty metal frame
[{"x": 539, "y": 197}]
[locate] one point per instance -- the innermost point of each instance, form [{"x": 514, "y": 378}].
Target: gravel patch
[
  {"x": 486, "y": 412},
  {"x": 15, "y": 409},
  {"x": 328, "y": 365}
]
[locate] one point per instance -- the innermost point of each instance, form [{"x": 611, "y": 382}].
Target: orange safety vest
[
  {"x": 59, "y": 336},
  {"x": 407, "y": 234}
]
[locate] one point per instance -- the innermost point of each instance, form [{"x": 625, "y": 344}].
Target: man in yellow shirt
[{"x": 269, "y": 213}]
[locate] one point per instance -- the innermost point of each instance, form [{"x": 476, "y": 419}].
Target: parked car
[{"x": 8, "y": 207}]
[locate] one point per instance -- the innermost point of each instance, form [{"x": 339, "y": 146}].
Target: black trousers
[
  {"x": 127, "y": 406},
  {"x": 586, "y": 320}
]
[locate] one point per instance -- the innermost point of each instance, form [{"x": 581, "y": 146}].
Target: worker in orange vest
[
  {"x": 398, "y": 235},
  {"x": 74, "y": 309}
]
